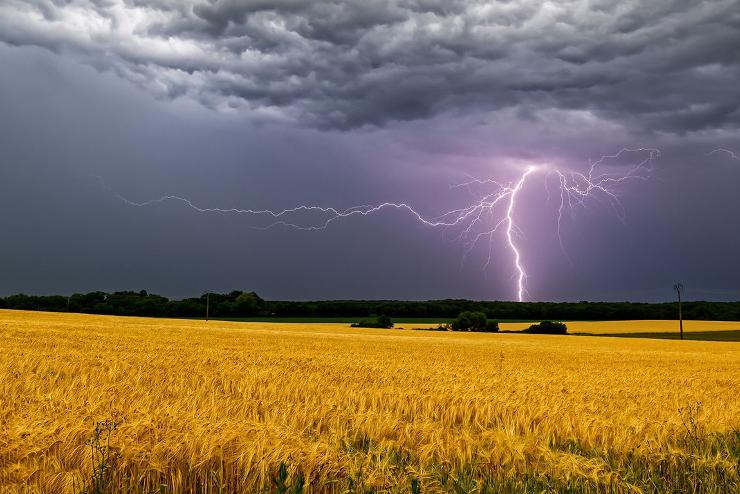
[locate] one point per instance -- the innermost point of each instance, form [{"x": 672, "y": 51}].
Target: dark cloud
[
  {"x": 665, "y": 65},
  {"x": 256, "y": 104}
]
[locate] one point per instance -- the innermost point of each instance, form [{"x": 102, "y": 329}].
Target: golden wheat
[
  {"x": 244, "y": 407},
  {"x": 623, "y": 327}
]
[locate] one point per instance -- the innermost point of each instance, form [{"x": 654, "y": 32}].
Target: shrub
[
  {"x": 473, "y": 321},
  {"x": 491, "y": 326},
  {"x": 547, "y": 327},
  {"x": 382, "y": 321}
]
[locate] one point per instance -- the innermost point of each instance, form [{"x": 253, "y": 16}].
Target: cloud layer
[
  {"x": 669, "y": 66},
  {"x": 367, "y": 102}
]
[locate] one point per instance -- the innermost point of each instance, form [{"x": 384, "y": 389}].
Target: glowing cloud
[{"x": 481, "y": 219}]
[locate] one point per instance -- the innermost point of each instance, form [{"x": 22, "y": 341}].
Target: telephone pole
[
  {"x": 208, "y": 303},
  {"x": 679, "y": 288}
]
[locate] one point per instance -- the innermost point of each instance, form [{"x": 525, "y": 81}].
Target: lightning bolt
[
  {"x": 492, "y": 211},
  {"x": 577, "y": 188},
  {"x": 729, "y": 153},
  {"x": 510, "y": 232}
]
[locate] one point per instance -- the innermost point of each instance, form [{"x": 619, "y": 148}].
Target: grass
[
  {"x": 113, "y": 404},
  {"x": 347, "y": 320},
  {"x": 720, "y": 330},
  {"x": 638, "y": 326},
  {"x": 316, "y": 320},
  {"x": 730, "y": 335}
]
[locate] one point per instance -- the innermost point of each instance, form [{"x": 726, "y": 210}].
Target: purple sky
[{"x": 270, "y": 105}]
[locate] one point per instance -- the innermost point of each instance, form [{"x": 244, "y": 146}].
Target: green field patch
[{"x": 729, "y": 335}]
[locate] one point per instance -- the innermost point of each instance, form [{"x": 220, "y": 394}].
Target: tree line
[{"x": 249, "y": 304}]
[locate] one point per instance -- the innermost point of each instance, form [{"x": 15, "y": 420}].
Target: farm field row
[
  {"x": 245, "y": 407},
  {"x": 585, "y": 327},
  {"x": 624, "y": 327}
]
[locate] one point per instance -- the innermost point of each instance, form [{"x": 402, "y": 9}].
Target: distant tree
[
  {"x": 247, "y": 304},
  {"x": 381, "y": 321},
  {"x": 238, "y": 303},
  {"x": 384, "y": 321},
  {"x": 471, "y": 321},
  {"x": 547, "y": 327},
  {"x": 20, "y": 301},
  {"x": 491, "y": 326}
]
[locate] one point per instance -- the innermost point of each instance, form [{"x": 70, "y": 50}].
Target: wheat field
[
  {"x": 112, "y": 404},
  {"x": 625, "y": 327}
]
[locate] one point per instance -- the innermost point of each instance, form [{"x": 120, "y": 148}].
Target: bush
[
  {"x": 473, "y": 321},
  {"x": 491, "y": 326},
  {"x": 441, "y": 327},
  {"x": 382, "y": 321},
  {"x": 469, "y": 321},
  {"x": 547, "y": 327}
]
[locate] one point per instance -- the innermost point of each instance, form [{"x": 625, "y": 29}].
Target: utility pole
[
  {"x": 679, "y": 288},
  {"x": 208, "y": 303}
]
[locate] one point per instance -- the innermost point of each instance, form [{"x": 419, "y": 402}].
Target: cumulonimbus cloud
[{"x": 669, "y": 65}]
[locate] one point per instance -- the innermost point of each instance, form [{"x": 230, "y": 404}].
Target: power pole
[
  {"x": 679, "y": 288},
  {"x": 208, "y": 303}
]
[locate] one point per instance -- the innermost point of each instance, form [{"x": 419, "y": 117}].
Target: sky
[{"x": 109, "y": 105}]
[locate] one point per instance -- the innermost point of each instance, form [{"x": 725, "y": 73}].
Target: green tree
[
  {"x": 469, "y": 321},
  {"x": 384, "y": 321},
  {"x": 247, "y": 304},
  {"x": 547, "y": 327}
]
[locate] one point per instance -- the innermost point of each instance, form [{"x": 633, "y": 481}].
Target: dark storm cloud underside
[
  {"x": 76, "y": 91},
  {"x": 665, "y": 65}
]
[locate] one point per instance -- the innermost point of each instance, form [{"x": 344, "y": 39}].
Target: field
[
  {"x": 693, "y": 330},
  {"x": 111, "y": 404},
  {"x": 634, "y": 327}
]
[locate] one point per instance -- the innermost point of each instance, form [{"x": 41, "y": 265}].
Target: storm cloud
[
  {"x": 256, "y": 104},
  {"x": 664, "y": 65}
]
